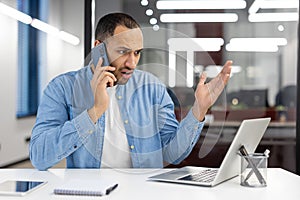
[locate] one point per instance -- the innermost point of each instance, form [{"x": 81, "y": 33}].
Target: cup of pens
[{"x": 254, "y": 169}]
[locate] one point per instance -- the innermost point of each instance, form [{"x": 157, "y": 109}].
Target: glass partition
[{"x": 186, "y": 38}]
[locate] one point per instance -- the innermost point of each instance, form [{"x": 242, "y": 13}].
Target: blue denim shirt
[{"x": 64, "y": 129}]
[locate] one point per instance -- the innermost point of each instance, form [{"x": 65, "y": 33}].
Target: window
[{"x": 30, "y": 48}]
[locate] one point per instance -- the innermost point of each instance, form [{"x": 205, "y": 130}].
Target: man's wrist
[
  {"x": 94, "y": 114},
  {"x": 198, "y": 114}
]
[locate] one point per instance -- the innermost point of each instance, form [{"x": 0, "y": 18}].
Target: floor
[{"x": 27, "y": 164}]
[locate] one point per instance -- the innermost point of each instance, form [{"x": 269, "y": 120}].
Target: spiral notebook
[{"x": 86, "y": 187}]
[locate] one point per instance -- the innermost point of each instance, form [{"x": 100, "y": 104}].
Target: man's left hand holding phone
[{"x": 102, "y": 78}]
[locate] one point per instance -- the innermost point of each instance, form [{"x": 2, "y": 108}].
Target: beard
[{"x": 123, "y": 74}]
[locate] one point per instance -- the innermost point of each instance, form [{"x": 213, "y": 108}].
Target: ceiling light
[
  {"x": 189, "y": 45},
  {"x": 199, "y": 17},
  {"x": 38, "y": 24},
  {"x": 155, "y": 27},
  {"x": 242, "y": 48},
  {"x": 213, "y": 70},
  {"x": 254, "y": 7},
  {"x": 280, "y": 28},
  {"x": 255, "y": 44},
  {"x": 272, "y": 4},
  {"x": 13, "y": 13},
  {"x": 144, "y": 2},
  {"x": 195, "y": 44},
  {"x": 149, "y": 12},
  {"x": 69, "y": 38},
  {"x": 204, "y": 4},
  {"x": 153, "y": 21},
  {"x": 273, "y": 17},
  {"x": 172, "y": 68},
  {"x": 259, "y": 41},
  {"x": 44, "y": 27}
]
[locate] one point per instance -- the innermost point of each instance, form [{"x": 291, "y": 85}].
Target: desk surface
[{"x": 133, "y": 184}]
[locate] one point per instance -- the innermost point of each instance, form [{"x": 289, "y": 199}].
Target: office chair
[
  {"x": 287, "y": 96},
  {"x": 177, "y": 107}
]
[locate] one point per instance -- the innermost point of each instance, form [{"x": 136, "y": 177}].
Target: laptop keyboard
[{"x": 206, "y": 176}]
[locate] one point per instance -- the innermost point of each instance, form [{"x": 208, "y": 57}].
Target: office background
[{"x": 263, "y": 83}]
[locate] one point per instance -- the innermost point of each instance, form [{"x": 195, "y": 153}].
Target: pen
[
  {"x": 244, "y": 152},
  {"x": 109, "y": 190},
  {"x": 266, "y": 153}
]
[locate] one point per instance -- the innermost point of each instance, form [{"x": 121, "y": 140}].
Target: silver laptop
[{"x": 249, "y": 134}]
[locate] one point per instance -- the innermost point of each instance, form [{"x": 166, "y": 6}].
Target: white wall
[{"x": 66, "y": 15}]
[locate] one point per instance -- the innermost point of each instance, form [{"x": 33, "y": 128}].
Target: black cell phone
[{"x": 98, "y": 52}]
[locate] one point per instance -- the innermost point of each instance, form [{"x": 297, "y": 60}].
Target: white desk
[{"x": 133, "y": 185}]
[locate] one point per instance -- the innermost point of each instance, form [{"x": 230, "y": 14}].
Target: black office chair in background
[
  {"x": 177, "y": 107},
  {"x": 287, "y": 96}
]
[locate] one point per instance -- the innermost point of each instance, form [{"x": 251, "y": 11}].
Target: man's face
[{"x": 123, "y": 50}]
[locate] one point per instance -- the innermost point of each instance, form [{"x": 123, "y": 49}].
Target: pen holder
[{"x": 254, "y": 170}]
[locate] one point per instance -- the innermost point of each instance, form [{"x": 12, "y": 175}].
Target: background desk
[{"x": 133, "y": 185}]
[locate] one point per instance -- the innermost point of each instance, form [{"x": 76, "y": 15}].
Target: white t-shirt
[{"x": 116, "y": 153}]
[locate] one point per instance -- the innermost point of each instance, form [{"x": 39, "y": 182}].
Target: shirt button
[
  {"x": 126, "y": 121},
  {"x": 132, "y": 147},
  {"x": 196, "y": 127},
  {"x": 119, "y": 97},
  {"x": 90, "y": 131}
]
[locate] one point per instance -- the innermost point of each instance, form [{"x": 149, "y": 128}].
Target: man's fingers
[
  {"x": 100, "y": 61},
  {"x": 110, "y": 81},
  {"x": 227, "y": 67},
  {"x": 225, "y": 73},
  {"x": 228, "y": 63},
  {"x": 100, "y": 70},
  {"x": 202, "y": 78}
]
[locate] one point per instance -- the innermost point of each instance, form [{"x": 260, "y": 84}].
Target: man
[{"x": 92, "y": 122}]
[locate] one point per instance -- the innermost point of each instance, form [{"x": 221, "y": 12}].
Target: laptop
[{"x": 249, "y": 134}]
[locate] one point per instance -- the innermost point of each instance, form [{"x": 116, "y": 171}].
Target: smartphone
[{"x": 98, "y": 52}]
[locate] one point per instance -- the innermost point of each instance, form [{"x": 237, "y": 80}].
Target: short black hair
[{"x": 108, "y": 23}]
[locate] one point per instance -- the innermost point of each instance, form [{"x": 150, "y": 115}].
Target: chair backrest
[
  {"x": 255, "y": 98},
  {"x": 287, "y": 96}
]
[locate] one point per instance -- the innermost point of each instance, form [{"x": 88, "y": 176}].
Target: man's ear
[{"x": 97, "y": 42}]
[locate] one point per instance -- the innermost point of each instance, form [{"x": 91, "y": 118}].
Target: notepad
[{"x": 86, "y": 187}]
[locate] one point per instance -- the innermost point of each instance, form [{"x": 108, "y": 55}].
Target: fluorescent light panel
[
  {"x": 259, "y": 41},
  {"x": 172, "y": 68},
  {"x": 69, "y": 38},
  {"x": 42, "y": 26},
  {"x": 195, "y": 44},
  {"x": 272, "y": 4},
  {"x": 204, "y": 4},
  {"x": 254, "y": 7},
  {"x": 255, "y": 44},
  {"x": 213, "y": 70},
  {"x": 258, "y": 48},
  {"x": 273, "y": 17},
  {"x": 189, "y": 69},
  {"x": 199, "y": 17},
  {"x": 38, "y": 24},
  {"x": 13, "y": 13}
]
